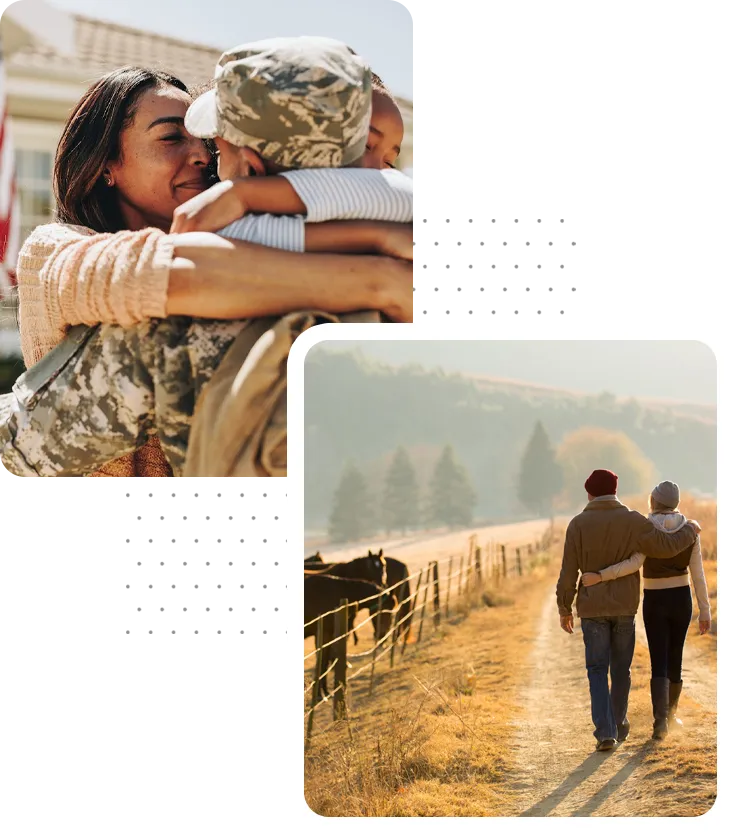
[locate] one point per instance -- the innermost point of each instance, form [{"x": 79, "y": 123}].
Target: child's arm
[
  {"x": 320, "y": 193},
  {"x": 352, "y": 194},
  {"x": 612, "y": 572}
]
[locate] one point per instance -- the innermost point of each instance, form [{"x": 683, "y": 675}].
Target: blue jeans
[{"x": 608, "y": 645}]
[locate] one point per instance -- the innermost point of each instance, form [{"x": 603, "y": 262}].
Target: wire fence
[{"x": 440, "y": 589}]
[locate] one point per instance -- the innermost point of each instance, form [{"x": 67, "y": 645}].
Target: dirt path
[
  {"x": 558, "y": 772},
  {"x": 524, "y": 744}
]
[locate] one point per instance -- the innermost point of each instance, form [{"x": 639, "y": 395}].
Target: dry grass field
[{"x": 490, "y": 717}]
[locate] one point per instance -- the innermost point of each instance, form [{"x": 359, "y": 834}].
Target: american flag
[{"x": 9, "y": 208}]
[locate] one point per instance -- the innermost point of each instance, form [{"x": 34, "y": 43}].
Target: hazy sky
[
  {"x": 683, "y": 371},
  {"x": 381, "y": 31}
]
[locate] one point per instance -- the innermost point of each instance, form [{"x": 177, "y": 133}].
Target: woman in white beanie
[{"x": 667, "y": 605}]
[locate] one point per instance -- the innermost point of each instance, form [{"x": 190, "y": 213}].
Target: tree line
[
  {"x": 549, "y": 478},
  {"x": 401, "y": 504},
  {"x": 360, "y": 409}
]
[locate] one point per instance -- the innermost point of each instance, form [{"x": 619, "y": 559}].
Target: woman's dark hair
[{"x": 91, "y": 138}]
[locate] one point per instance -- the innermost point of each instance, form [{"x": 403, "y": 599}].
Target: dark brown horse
[
  {"x": 324, "y": 593},
  {"x": 370, "y": 568},
  {"x": 376, "y": 568}
]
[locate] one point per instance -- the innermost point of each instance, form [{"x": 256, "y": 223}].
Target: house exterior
[
  {"x": 43, "y": 84},
  {"x": 51, "y": 57}
]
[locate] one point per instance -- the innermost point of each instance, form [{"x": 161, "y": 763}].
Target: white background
[
  {"x": 616, "y": 118},
  {"x": 603, "y": 115}
]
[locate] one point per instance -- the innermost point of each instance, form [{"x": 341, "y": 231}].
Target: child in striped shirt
[{"x": 307, "y": 109}]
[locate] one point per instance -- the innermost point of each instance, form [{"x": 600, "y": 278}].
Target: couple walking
[{"x": 608, "y": 543}]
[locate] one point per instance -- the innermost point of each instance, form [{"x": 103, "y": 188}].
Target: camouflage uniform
[
  {"x": 299, "y": 102},
  {"x": 101, "y": 393}
]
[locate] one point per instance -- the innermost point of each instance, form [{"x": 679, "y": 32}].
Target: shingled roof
[{"x": 102, "y": 46}]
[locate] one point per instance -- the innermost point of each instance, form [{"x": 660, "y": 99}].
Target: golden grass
[
  {"x": 438, "y": 736},
  {"x": 703, "y": 510},
  {"x": 434, "y": 739}
]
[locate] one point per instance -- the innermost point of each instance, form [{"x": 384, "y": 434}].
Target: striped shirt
[{"x": 330, "y": 194}]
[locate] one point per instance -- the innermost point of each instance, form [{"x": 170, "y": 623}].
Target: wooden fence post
[
  {"x": 423, "y": 605},
  {"x": 340, "y": 669},
  {"x": 376, "y": 644},
  {"x": 459, "y": 576},
  {"x": 437, "y": 605},
  {"x": 393, "y": 633},
  {"x": 407, "y": 628},
  {"x": 505, "y": 564},
  {"x": 519, "y": 564},
  {"x": 449, "y": 585},
  {"x": 317, "y": 672},
  {"x": 478, "y": 566}
]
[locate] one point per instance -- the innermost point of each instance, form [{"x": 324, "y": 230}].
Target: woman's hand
[
  {"x": 591, "y": 578},
  {"x": 211, "y": 210},
  {"x": 704, "y": 626}
]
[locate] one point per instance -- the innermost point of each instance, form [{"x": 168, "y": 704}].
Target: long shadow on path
[
  {"x": 575, "y": 779},
  {"x": 614, "y": 783}
]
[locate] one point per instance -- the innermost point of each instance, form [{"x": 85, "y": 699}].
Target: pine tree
[
  {"x": 541, "y": 477},
  {"x": 352, "y": 516},
  {"x": 451, "y": 495},
  {"x": 400, "y": 494}
]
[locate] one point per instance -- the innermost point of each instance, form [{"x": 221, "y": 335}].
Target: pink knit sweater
[{"x": 70, "y": 275}]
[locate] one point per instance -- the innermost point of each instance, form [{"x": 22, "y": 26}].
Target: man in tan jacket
[{"x": 604, "y": 533}]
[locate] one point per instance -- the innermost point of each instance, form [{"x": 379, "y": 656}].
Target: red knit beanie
[{"x": 601, "y": 483}]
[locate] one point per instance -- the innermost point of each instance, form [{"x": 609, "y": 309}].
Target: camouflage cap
[{"x": 299, "y": 102}]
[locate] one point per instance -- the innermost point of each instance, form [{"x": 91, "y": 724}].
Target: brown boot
[
  {"x": 675, "y": 724},
  {"x": 660, "y": 702}
]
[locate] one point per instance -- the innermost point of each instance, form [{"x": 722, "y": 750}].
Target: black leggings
[{"x": 667, "y": 614}]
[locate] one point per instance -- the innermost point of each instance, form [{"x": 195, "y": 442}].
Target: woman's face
[
  {"x": 160, "y": 165},
  {"x": 386, "y": 133}
]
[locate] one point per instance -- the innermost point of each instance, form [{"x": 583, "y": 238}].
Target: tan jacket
[
  {"x": 239, "y": 422},
  {"x": 604, "y": 533}
]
